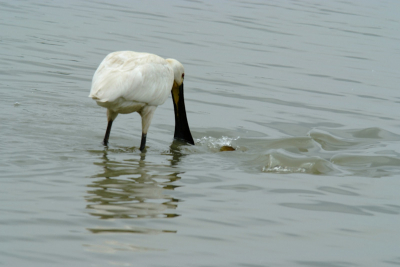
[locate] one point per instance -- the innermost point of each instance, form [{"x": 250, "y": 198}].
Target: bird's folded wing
[{"x": 132, "y": 76}]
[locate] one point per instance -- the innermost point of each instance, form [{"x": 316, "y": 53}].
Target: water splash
[{"x": 215, "y": 144}]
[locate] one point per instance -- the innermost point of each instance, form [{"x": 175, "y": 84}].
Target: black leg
[
  {"x": 105, "y": 141},
  {"x": 143, "y": 142}
]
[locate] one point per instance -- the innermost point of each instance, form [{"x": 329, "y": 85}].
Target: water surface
[{"x": 306, "y": 92}]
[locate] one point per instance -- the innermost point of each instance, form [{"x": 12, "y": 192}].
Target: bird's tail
[{"x": 95, "y": 97}]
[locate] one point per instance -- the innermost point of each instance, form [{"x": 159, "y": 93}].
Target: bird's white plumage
[{"x": 126, "y": 81}]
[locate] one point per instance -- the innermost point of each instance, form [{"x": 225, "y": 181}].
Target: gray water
[{"x": 305, "y": 91}]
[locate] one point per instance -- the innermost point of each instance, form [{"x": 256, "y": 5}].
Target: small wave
[
  {"x": 329, "y": 142},
  {"x": 280, "y": 163}
]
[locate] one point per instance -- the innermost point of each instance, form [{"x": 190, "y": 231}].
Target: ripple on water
[
  {"x": 366, "y": 133},
  {"x": 362, "y": 152},
  {"x": 368, "y": 165},
  {"x": 329, "y": 142}
]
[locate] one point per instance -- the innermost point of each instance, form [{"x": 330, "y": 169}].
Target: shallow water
[{"x": 306, "y": 93}]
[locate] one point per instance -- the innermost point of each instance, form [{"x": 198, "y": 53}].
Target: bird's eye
[{"x": 183, "y": 75}]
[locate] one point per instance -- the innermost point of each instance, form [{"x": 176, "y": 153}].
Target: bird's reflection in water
[
  {"x": 133, "y": 188},
  {"x": 175, "y": 152}
]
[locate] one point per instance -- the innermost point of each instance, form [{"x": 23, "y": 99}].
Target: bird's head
[{"x": 179, "y": 71}]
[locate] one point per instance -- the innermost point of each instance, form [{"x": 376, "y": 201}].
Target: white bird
[{"x": 128, "y": 81}]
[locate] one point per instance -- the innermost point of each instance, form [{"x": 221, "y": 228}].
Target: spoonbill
[{"x": 128, "y": 81}]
